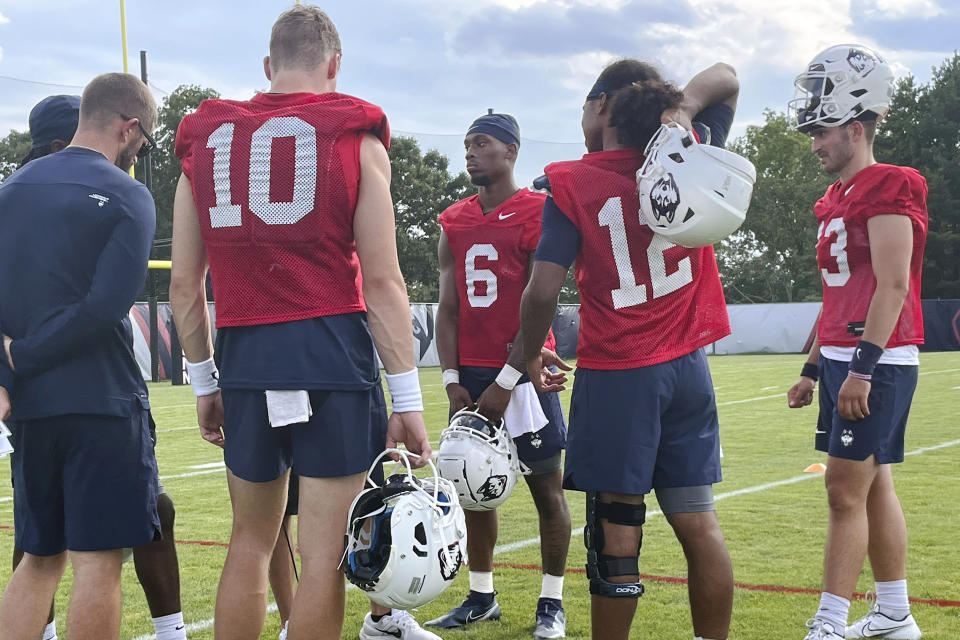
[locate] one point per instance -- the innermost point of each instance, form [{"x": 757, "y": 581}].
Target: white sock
[
  {"x": 283, "y": 631},
  {"x": 50, "y": 631},
  {"x": 481, "y": 581},
  {"x": 701, "y": 638},
  {"x": 892, "y": 599},
  {"x": 552, "y": 587},
  {"x": 170, "y": 627},
  {"x": 833, "y": 609}
]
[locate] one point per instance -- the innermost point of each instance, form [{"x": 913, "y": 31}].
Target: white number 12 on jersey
[
  {"x": 629, "y": 293},
  {"x": 226, "y": 214}
]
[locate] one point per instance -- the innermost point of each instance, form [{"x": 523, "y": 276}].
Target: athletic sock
[
  {"x": 50, "y": 631},
  {"x": 892, "y": 599},
  {"x": 552, "y": 587},
  {"x": 378, "y": 618},
  {"x": 283, "y": 631},
  {"x": 834, "y": 609},
  {"x": 170, "y": 627},
  {"x": 481, "y": 581}
]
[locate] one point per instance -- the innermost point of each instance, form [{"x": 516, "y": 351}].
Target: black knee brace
[{"x": 601, "y": 566}]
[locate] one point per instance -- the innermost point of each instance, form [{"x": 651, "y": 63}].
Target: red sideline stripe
[{"x": 769, "y": 588}]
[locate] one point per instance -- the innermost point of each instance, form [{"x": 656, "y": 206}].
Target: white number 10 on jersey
[{"x": 225, "y": 213}]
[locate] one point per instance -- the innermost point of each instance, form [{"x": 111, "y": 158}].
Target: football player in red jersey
[
  {"x": 870, "y": 239},
  {"x": 643, "y": 415},
  {"x": 486, "y": 248},
  {"x": 286, "y": 197}
]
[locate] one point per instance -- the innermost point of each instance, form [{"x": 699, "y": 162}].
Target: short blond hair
[
  {"x": 303, "y": 37},
  {"x": 118, "y": 94}
]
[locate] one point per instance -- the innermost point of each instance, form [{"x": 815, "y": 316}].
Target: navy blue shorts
[
  {"x": 881, "y": 433},
  {"x": 541, "y": 449},
  {"x": 347, "y": 430},
  {"x": 634, "y": 430},
  {"x": 84, "y": 483}
]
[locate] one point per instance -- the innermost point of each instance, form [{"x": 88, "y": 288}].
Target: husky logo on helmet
[
  {"x": 665, "y": 198},
  {"x": 861, "y": 61},
  {"x": 493, "y": 488},
  {"x": 456, "y": 556}
]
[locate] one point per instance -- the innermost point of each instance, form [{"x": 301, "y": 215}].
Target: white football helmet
[
  {"x": 692, "y": 194},
  {"x": 840, "y": 84},
  {"x": 480, "y": 458},
  {"x": 406, "y": 539}
]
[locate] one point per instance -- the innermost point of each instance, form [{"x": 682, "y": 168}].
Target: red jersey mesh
[
  {"x": 275, "y": 182},
  {"x": 843, "y": 250},
  {"x": 643, "y": 300}
]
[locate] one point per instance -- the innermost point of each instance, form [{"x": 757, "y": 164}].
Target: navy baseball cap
[{"x": 54, "y": 118}]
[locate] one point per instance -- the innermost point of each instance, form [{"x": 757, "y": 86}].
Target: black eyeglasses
[{"x": 150, "y": 143}]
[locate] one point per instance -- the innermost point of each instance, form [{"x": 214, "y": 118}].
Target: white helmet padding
[
  {"x": 405, "y": 539},
  {"x": 480, "y": 458},
  {"x": 692, "y": 194}
]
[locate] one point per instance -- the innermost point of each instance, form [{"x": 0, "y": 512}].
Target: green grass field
[{"x": 772, "y": 513}]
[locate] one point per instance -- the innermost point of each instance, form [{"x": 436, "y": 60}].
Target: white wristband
[
  {"x": 204, "y": 377},
  {"x": 405, "y": 391},
  {"x": 508, "y": 376},
  {"x": 451, "y": 376}
]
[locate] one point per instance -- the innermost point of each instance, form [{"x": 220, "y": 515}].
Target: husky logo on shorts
[
  {"x": 450, "y": 572},
  {"x": 846, "y": 437},
  {"x": 493, "y": 488},
  {"x": 664, "y": 198},
  {"x": 861, "y": 61},
  {"x": 536, "y": 441}
]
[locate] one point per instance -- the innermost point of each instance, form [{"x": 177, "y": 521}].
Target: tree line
[{"x": 772, "y": 258}]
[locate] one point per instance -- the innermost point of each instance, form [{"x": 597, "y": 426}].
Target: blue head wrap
[{"x": 501, "y": 126}]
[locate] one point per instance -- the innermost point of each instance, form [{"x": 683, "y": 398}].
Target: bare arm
[
  {"x": 891, "y": 246},
  {"x": 388, "y": 307},
  {"x": 449, "y": 308},
  {"x": 537, "y": 310},
  {"x": 714, "y": 85},
  {"x": 188, "y": 301},
  {"x": 188, "y": 295}
]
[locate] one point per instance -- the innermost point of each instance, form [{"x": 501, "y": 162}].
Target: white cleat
[
  {"x": 821, "y": 630},
  {"x": 396, "y": 624},
  {"x": 877, "y": 625}
]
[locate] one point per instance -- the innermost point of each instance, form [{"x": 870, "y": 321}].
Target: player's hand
[
  {"x": 408, "y": 428},
  {"x": 544, "y": 380},
  {"x": 678, "y": 115},
  {"x": 4, "y": 404},
  {"x": 459, "y": 397},
  {"x": 7, "y": 340},
  {"x": 493, "y": 402},
  {"x": 210, "y": 417},
  {"x": 852, "y": 399},
  {"x": 801, "y": 394}
]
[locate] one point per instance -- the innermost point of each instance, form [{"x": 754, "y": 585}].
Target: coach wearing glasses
[{"x": 75, "y": 235}]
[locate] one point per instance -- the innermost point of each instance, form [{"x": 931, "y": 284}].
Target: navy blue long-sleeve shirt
[{"x": 75, "y": 236}]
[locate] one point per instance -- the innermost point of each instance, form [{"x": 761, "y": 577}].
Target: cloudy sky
[{"x": 434, "y": 65}]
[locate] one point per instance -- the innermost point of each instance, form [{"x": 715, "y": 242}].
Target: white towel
[
  {"x": 288, "y": 407},
  {"x": 524, "y": 413},
  {"x": 5, "y": 447}
]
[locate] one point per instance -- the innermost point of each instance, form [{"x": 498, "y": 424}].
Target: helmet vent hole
[
  {"x": 858, "y": 93},
  {"x": 689, "y": 215},
  {"x": 676, "y": 157},
  {"x": 420, "y": 534}
]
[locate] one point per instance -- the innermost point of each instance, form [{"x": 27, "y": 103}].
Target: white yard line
[{"x": 192, "y": 474}]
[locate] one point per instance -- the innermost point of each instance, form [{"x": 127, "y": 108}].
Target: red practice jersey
[
  {"x": 643, "y": 299},
  {"x": 843, "y": 250},
  {"x": 275, "y": 183},
  {"x": 492, "y": 255}
]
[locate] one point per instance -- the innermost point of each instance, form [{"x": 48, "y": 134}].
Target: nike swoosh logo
[
  {"x": 505, "y": 216},
  {"x": 870, "y": 627},
  {"x": 179, "y": 628},
  {"x": 471, "y": 617},
  {"x": 395, "y": 634}
]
